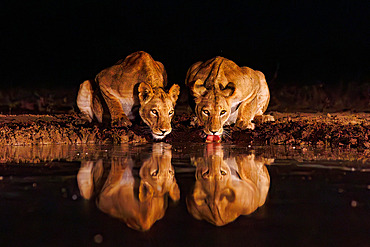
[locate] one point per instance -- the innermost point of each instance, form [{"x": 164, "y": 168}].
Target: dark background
[{"x": 58, "y": 44}]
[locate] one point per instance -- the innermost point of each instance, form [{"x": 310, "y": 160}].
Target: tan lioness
[
  {"x": 140, "y": 204},
  {"x": 226, "y": 188},
  {"x": 225, "y": 93},
  {"x": 131, "y": 87}
]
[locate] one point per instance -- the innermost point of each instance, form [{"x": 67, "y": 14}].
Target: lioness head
[
  {"x": 158, "y": 175},
  {"x": 227, "y": 188},
  {"x": 213, "y": 106},
  {"x": 120, "y": 195},
  {"x": 211, "y": 197},
  {"x": 157, "y": 108}
]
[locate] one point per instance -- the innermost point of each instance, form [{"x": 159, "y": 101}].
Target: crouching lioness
[
  {"x": 131, "y": 87},
  {"x": 225, "y": 93}
]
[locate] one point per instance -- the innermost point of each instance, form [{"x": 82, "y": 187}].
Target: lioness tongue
[
  {"x": 213, "y": 138},
  {"x": 216, "y": 138}
]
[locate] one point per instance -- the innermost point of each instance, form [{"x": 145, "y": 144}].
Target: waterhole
[{"x": 198, "y": 194}]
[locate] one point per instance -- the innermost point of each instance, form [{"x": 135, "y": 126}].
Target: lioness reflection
[
  {"x": 138, "y": 203},
  {"x": 226, "y": 188}
]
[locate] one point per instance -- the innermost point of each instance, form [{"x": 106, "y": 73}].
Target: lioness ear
[
  {"x": 229, "y": 194},
  {"x": 198, "y": 88},
  {"x": 145, "y": 92},
  {"x": 174, "y": 92},
  {"x": 199, "y": 195},
  {"x": 174, "y": 192},
  {"x": 228, "y": 90},
  {"x": 145, "y": 191}
]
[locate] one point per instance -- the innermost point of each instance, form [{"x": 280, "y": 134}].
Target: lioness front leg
[
  {"x": 246, "y": 113},
  {"x": 119, "y": 118}
]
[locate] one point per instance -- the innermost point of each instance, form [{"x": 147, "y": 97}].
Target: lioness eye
[
  {"x": 205, "y": 173},
  {"x": 170, "y": 113},
  {"x": 222, "y": 112},
  {"x": 154, "y": 173},
  {"x": 206, "y": 112},
  {"x": 223, "y": 173},
  {"x": 154, "y": 112}
]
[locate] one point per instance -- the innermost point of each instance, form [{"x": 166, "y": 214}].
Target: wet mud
[
  {"x": 316, "y": 129},
  {"x": 60, "y": 129},
  {"x": 336, "y": 135},
  {"x": 331, "y": 133}
]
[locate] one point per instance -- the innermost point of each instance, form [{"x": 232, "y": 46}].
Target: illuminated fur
[
  {"x": 140, "y": 204},
  {"x": 225, "y": 93},
  {"x": 227, "y": 188},
  {"x": 131, "y": 87}
]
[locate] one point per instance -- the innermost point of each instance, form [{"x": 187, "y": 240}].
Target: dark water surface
[{"x": 174, "y": 195}]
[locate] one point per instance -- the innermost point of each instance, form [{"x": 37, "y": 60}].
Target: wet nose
[{"x": 213, "y": 132}]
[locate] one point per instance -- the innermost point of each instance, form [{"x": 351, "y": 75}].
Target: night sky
[{"x": 61, "y": 43}]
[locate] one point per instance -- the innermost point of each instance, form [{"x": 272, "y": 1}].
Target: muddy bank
[
  {"x": 315, "y": 129},
  {"x": 60, "y": 129},
  {"x": 345, "y": 130}
]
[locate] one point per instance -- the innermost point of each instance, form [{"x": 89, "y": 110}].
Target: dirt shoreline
[{"x": 334, "y": 130}]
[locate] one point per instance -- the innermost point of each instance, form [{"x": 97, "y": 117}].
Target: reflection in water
[
  {"x": 227, "y": 187},
  {"x": 138, "y": 202},
  {"x": 33, "y": 196},
  {"x": 349, "y": 158},
  {"x": 35, "y": 153}
]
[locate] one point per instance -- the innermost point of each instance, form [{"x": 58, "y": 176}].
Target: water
[{"x": 175, "y": 195}]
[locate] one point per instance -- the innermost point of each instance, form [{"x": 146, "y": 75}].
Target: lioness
[
  {"x": 133, "y": 85},
  {"x": 225, "y": 93},
  {"x": 226, "y": 188},
  {"x": 138, "y": 203}
]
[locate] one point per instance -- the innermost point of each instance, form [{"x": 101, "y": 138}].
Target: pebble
[{"x": 98, "y": 238}]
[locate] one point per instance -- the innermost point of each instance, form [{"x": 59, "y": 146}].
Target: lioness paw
[
  {"x": 267, "y": 118},
  {"x": 121, "y": 122},
  {"x": 85, "y": 118},
  {"x": 245, "y": 125}
]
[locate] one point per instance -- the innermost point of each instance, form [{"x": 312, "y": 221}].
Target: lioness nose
[
  {"x": 213, "y": 132},
  {"x": 163, "y": 131}
]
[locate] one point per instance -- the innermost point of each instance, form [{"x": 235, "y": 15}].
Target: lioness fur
[
  {"x": 225, "y": 93},
  {"x": 138, "y": 203},
  {"x": 133, "y": 86},
  {"x": 226, "y": 188}
]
